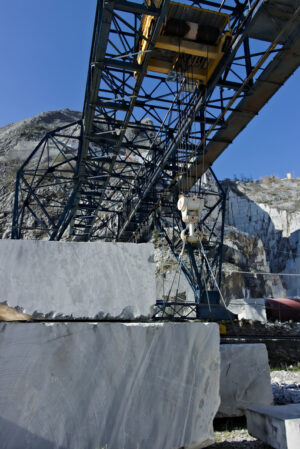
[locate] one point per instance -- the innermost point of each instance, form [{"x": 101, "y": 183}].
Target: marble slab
[
  {"x": 277, "y": 425},
  {"x": 83, "y": 279},
  {"x": 245, "y": 378},
  {"x": 253, "y": 309},
  {"x": 108, "y": 385}
]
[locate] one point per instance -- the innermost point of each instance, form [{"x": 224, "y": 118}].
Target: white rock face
[
  {"x": 278, "y": 425},
  {"x": 19, "y": 139},
  {"x": 114, "y": 385},
  {"x": 243, "y": 256},
  {"x": 293, "y": 266},
  {"x": 245, "y": 378},
  {"x": 82, "y": 279},
  {"x": 262, "y": 208},
  {"x": 270, "y": 210}
]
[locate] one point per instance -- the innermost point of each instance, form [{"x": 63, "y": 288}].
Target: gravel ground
[
  {"x": 237, "y": 439},
  {"x": 286, "y": 387}
]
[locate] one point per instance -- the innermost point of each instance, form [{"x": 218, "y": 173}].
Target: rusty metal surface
[{"x": 283, "y": 309}]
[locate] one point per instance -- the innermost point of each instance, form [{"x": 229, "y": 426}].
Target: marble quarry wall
[
  {"x": 274, "y": 217},
  {"x": 82, "y": 279},
  {"x": 108, "y": 385}
]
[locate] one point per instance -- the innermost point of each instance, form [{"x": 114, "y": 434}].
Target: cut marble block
[
  {"x": 108, "y": 385},
  {"x": 277, "y": 425},
  {"x": 83, "y": 279},
  {"x": 245, "y": 378},
  {"x": 249, "y": 309}
]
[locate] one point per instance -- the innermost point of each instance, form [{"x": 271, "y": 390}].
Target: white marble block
[
  {"x": 245, "y": 378},
  {"x": 277, "y": 425},
  {"x": 79, "y": 278},
  {"x": 108, "y": 385},
  {"x": 249, "y": 309}
]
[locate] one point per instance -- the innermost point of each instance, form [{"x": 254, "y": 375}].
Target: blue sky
[{"x": 44, "y": 48}]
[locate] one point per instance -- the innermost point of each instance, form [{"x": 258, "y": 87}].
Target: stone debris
[
  {"x": 286, "y": 387},
  {"x": 13, "y": 314},
  {"x": 286, "y": 393},
  {"x": 255, "y": 328}
]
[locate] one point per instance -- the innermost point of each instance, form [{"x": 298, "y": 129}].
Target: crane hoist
[{"x": 191, "y": 42}]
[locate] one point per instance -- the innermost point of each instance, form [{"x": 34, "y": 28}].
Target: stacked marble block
[
  {"x": 70, "y": 385},
  {"x": 90, "y": 279},
  {"x": 74, "y": 385}
]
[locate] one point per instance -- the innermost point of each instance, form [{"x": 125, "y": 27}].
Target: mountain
[
  {"x": 269, "y": 210},
  {"x": 17, "y": 141}
]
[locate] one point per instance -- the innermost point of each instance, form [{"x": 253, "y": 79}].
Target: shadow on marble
[{"x": 30, "y": 440}]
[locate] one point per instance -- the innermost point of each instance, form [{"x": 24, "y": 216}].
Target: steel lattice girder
[
  {"x": 145, "y": 138},
  {"x": 46, "y": 183},
  {"x": 155, "y": 98}
]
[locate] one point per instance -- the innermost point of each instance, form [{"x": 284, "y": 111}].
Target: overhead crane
[{"x": 169, "y": 87}]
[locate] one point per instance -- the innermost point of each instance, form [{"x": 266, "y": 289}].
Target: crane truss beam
[{"x": 145, "y": 137}]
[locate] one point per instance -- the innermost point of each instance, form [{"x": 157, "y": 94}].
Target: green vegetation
[{"x": 292, "y": 368}]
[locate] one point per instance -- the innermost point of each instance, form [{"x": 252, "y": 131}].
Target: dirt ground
[{"x": 232, "y": 434}]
